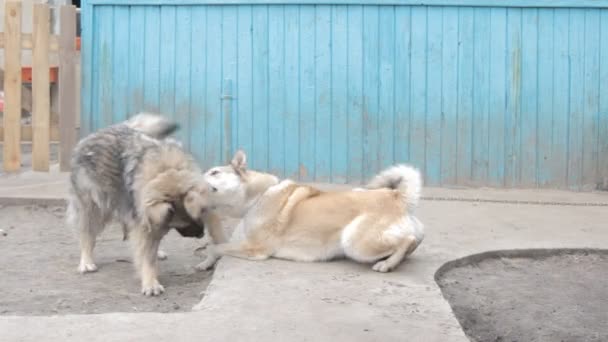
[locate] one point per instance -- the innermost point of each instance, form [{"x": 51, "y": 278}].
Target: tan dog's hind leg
[
  {"x": 244, "y": 250},
  {"x": 406, "y": 246}
]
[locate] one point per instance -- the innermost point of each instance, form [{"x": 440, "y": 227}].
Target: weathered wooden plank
[
  {"x": 576, "y": 98},
  {"x": 259, "y": 154},
  {"x": 183, "y": 21},
  {"x": 12, "y": 87},
  {"x": 137, "y": 59},
  {"x": 418, "y": 88},
  {"x": 276, "y": 90},
  {"x": 434, "y": 71},
  {"x": 27, "y": 132},
  {"x": 291, "y": 116},
  {"x": 603, "y": 106},
  {"x": 561, "y": 86},
  {"x": 168, "y": 62},
  {"x": 545, "y": 96},
  {"x": 213, "y": 102},
  {"x": 514, "y": 98},
  {"x": 449, "y": 91},
  {"x": 370, "y": 90},
  {"x": 152, "y": 47},
  {"x": 197, "y": 138},
  {"x": 465, "y": 96},
  {"x": 67, "y": 85},
  {"x": 386, "y": 90},
  {"x": 87, "y": 75},
  {"x": 41, "y": 119},
  {"x": 120, "y": 65},
  {"x": 481, "y": 89},
  {"x": 323, "y": 93},
  {"x": 27, "y": 41},
  {"x": 529, "y": 106},
  {"x": 229, "y": 73},
  {"x": 355, "y": 93},
  {"x": 496, "y": 147},
  {"x": 339, "y": 95},
  {"x": 245, "y": 79},
  {"x": 402, "y": 83},
  {"x": 307, "y": 93},
  {"x": 464, "y": 3},
  {"x": 591, "y": 99}
]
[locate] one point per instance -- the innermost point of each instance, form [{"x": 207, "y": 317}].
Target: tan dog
[{"x": 298, "y": 222}]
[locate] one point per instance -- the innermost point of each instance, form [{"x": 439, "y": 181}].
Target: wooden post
[
  {"x": 40, "y": 88},
  {"x": 67, "y": 85},
  {"x": 12, "y": 86}
]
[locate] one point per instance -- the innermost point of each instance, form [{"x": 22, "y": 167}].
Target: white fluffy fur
[{"x": 404, "y": 178}]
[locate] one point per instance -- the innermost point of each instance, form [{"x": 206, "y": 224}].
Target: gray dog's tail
[{"x": 153, "y": 125}]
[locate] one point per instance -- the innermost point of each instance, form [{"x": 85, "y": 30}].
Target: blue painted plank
[
  {"x": 214, "y": 124},
  {"x": 307, "y": 93},
  {"x": 591, "y": 100},
  {"x": 418, "y": 88},
  {"x": 323, "y": 97},
  {"x": 513, "y": 118},
  {"x": 276, "y": 90},
  {"x": 292, "y": 98},
  {"x": 529, "y": 81},
  {"x": 467, "y": 3},
  {"x": 577, "y": 97},
  {"x": 449, "y": 96},
  {"x": 355, "y": 93},
  {"x": 481, "y": 89},
  {"x": 545, "y": 96},
  {"x": 561, "y": 87},
  {"x": 497, "y": 97},
  {"x": 370, "y": 91},
  {"x": 104, "y": 64},
  {"x": 152, "y": 63},
  {"x": 434, "y": 95},
  {"x": 402, "y": 83},
  {"x": 198, "y": 85},
  {"x": 86, "y": 58},
  {"x": 339, "y": 92},
  {"x": 259, "y": 154},
  {"x": 386, "y": 91},
  {"x": 229, "y": 78},
  {"x": 167, "y": 61},
  {"x": 120, "y": 62},
  {"x": 182, "y": 95},
  {"x": 137, "y": 59},
  {"x": 465, "y": 95},
  {"x": 603, "y": 105},
  {"x": 244, "y": 93}
]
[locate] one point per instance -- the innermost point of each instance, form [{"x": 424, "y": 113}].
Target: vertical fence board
[
  {"x": 40, "y": 89},
  {"x": 591, "y": 100},
  {"x": 434, "y": 71},
  {"x": 277, "y": 92},
  {"x": 355, "y": 93},
  {"x": 307, "y": 93},
  {"x": 529, "y": 105},
  {"x": 12, "y": 86},
  {"x": 449, "y": 97},
  {"x": 496, "y": 130},
  {"x": 323, "y": 115},
  {"x": 339, "y": 95},
  {"x": 67, "y": 85}
]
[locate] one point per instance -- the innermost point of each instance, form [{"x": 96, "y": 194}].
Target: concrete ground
[{"x": 341, "y": 300}]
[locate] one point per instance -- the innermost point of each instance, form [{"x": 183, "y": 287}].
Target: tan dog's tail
[
  {"x": 403, "y": 178},
  {"x": 152, "y": 125}
]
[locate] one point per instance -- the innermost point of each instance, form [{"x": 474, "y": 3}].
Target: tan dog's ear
[
  {"x": 158, "y": 215},
  {"x": 239, "y": 161}
]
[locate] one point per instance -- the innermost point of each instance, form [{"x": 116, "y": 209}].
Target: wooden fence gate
[{"x": 17, "y": 97}]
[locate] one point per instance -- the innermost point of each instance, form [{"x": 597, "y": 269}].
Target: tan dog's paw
[
  {"x": 87, "y": 268},
  {"x": 153, "y": 289},
  {"x": 161, "y": 255},
  {"x": 382, "y": 266},
  {"x": 207, "y": 264}
]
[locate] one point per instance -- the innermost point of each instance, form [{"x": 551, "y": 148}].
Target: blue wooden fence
[{"x": 507, "y": 93}]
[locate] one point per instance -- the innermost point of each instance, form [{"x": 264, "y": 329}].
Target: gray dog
[{"x": 132, "y": 174}]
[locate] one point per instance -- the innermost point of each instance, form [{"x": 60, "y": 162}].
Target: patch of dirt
[
  {"x": 529, "y": 295},
  {"x": 38, "y": 269}
]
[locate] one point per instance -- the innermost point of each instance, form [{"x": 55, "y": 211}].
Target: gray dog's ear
[{"x": 239, "y": 161}]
